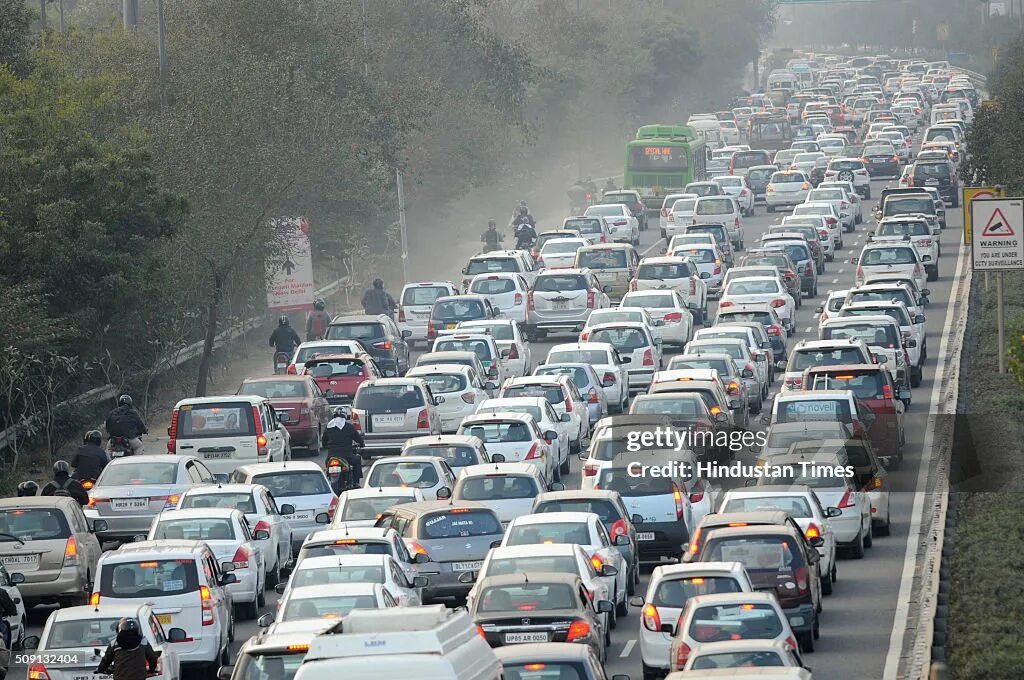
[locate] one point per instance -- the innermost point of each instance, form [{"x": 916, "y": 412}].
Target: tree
[{"x": 15, "y": 35}]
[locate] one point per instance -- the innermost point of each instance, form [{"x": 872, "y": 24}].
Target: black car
[
  {"x": 552, "y": 660},
  {"x": 757, "y": 179},
  {"x": 941, "y": 175},
  {"x": 379, "y": 335},
  {"x": 881, "y": 159},
  {"x": 540, "y": 607}
]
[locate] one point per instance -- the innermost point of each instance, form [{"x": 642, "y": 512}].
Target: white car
[
  {"x": 721, "y": 210},
  {"x": 562, "y": 393},
  {"x": 347, "y": 541},
  {"x": 340, "y": 571},
  {"x": 508, "y": 489},
  {"x": 430, "y": 474},
  {"x": 852, "y": 197},
  {"x": 916, "y": 229},
  {"x": 506, "y": 291},
  {"x": 786, "y": 188},
  {"x": 517, "y": 437},
  {"x": 762, "y": 289},
  {"x": 457, "y": 389},
  {"x": 636, "y": 341},
  {"x": 301, "y": 484},
  {"x": 414, "y": 305},
  {"x": 830, "y": 236},
  {"x": 229, "y": 535},
  {"x": 560, "y": 253},
  {"x": 547, "y": 420},
  {"x": 912, "y": 329},
  {"x": 673, "y": 322},
  {"x": 678, "y": 274},
  {"x": 837, "y": 197},
  {"x": 314, "y": 348},
  {"x": 362, "y": 507},
  {"x": 805, "y": 161},
  {"x": 261, "y": 511},
  {"x": 678, "y": 244},
  {"x": 832, "y": 147},
  {"x": 588, "y": 384},
  {"x": 605, "y": 360},
  {"x": 616, "y": 315},
  {"x": 736, "y": 186},
  {"x": 809, "y": 353},
  {"x": 666, "y": 209},
  {"x": 680, "y": 215},
  {"x": 624, "y": 226},
  {"x": 826, "y": 210},
  {"x": 803, "y": 505},
  {"x": 515, "y": 348},
  {"x": 709, "y": 261},
  {"x": 833, "y": 303},
  {"x": 76, "y": 632},
  {"x": 579, "y": 528},
  {"x": 483, "y": 345},
  {"x": 737, "y": 346},
  {"x": 330, "y": 601},
  {"x": 890, "y": 259}
]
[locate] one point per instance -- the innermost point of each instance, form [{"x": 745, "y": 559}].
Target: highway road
[{"x": 858, "y": 619}]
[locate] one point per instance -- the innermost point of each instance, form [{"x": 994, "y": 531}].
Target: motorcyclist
[
  {"x": 284, "y": 338},
  {"x": 491, "y": 237},
  {"x": 340, "y": 440},
  {"x": 125, "y": 422},
  {"x": 317, "y": 321},
  {"x": 577, "y": 196},
  {"x": 62, "y": 481},
  {"x": 377, "y": 301},
  {"x": 522, "y": 217},
  {"x": 28, "y": 488},
  {"x": 129, "y": 656},
  {"x": 526, "y": 236},
  {"x": 610, "y": 185},
  {"x": 90, "y": 458}
]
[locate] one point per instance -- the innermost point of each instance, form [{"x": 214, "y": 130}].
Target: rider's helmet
[
  {"x": 93, "y": 437},
  {"x": 319, "y": 304},
  {"x": 283, "y": 321},
  {"x": 128, "y": 625},
  {"x": 378, "y": 284},
  {"x": 124, "y": 400},
  {"x": 61, "y": 467},
  {"x": 492, "y": 224},
  {"x": 524, "y": 211},
  {"x": 341, "y": 412},
  {"x": 28, "y": 488}
]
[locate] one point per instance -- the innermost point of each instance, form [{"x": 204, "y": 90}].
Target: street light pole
[
  {"x": 162, "y": 49},
  {"x": 42, "y": 13},
  {"x": 131, "y": 14},
  {"x": 366, "y": 44},
  {"x": 403, "y": 230}
]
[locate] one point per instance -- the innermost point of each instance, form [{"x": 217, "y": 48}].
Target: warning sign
[
  {"x": 969, "y": 194},
  {"x": 998, "y": 245}
]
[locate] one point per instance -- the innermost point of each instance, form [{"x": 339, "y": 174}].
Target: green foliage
[{"x": 15, "y": 37}]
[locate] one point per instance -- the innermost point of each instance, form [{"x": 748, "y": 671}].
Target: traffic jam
[{"x": 772, "y": 311}]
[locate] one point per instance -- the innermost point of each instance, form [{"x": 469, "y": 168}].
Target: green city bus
[{"x": 663, "y": 159}]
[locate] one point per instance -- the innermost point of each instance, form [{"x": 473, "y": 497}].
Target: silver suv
[
  {"x": 562, "y": 301},
  {"x": 389, "y": 411}
]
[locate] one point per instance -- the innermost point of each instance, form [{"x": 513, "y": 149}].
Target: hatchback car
[
  {"x": 331, "y": 601},
  {"x": 459, "y": 451},
  {"x": 415, "y": 303},
  {"x": 430, "y": 474},
  {"x": 457, "y": 389},
  {"x": 483, "y": 345},
  {"x": 390, "y": 410},
  {"x": 565, "y": 400},
  {"x": 511, "y": 338},
  {"x": 505, "y": 291},
  {"x": 517, "y": 437},
  {"x": 622, "y": 223},
  {"x": 379, "y": 335},
  {"x": 736, "y": 186},
  {"x": 632, "y": 340},
  {"x": 337, "y": 377},
  {"x": 366, "y": 569},
  {"x": 786, "y": 188},
  {"x": 917, "y": 230},
  {"x": 560, "y": 253},
  {"x": 562, "y": 301},
  {"x": 362, "y": 507},
  {"x": 673, "y": 322},
  {"x": 678, "y": 274},
  {"x": 448, "y": 312},
  {"x": 303, "y": 485},
  {"x": 632, "y": 200},
  {"x": 595, "y": 228}
]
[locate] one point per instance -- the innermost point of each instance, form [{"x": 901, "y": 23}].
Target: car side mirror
[
  {"x": 438, "y": 401},
  {"x": 225, "y": 672},
  {"x": 465, "y": 270},
  {"x": 265, "y": 621},
  {"x": 820, "y": 309},
  {"x": 493, "y": 372},
  {"x": 781, "y": 364},
  {"x": 765, "y": 344},
  {"x": 910, "y": 343},
  {"x": 490, "y": 385},
  {"x": 735, "y": 404},
  {"x": 626, "y": 360},
  {"x": 505, "y": 353},
  {"x": 228, "y": 579},
  {"x": 609, "y": 570},
  {"x": 853, "y": 260},
  {"x": 444, "y": 493},
  {"x": 551, "y": 436},
  {"x": 227, "y": 567},
  {"x": 720, "y": 417},
  {"x": 287, "y": 509},
  {"x": 659, "y": 323},
  {"x": 746, "y": 373},
  {"x": 705, "y": 275},
  {"x": 406, "y": 335},
  {"x": 496, "y": 544},
  {"x": 497, "y": 458},
  {"x": 833, "y": 512},
  {"x": 925, "y": 292},
  {"x": 622, "y": 539},
  {"x": 31, "y": 642},
  {"x": 605, "y": 607},
  {"x": 468, "y": 577},
  {"x": 420, "y": 558},
  {"x": 261, "y": 534},
  {"x": 920, "y": 318},
  {"x": 16, "y": 578},
  {"x": 885, "y": 461},
  {"x": 556, "y": 486},
  {"x": 565, "y": 418},
  {"x": 323, "y": 518},
  {"x": 280, "y": 588},
  {"x": 420, "y": 582},
  {"x": 176, "y": 635}
]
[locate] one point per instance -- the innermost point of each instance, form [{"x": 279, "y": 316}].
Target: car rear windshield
[
  {"x": 619, "y": 479},
  {"x": 650, "y": 300},
  {"x": 195, "y": 529},
  {"x": 602, "y": 259},
  {"x": 622, "y": 339},
  {"x": 615, "y": 315},
  {"x": 32, "y": 524},
  {"x": 931, "y": 171},
  {"x": 699, "y": 255},
  {"x": 814, "y": 409},
  {"x": 288, "y": 484},
  {"x": 561, "y": 247},
  {"x": 796, "y": 251},
  {"x": 498, "y": 486},
  {"x": 387, "y": 397},
  {"x": 584, "y": 225},
  {"x": 684, "y": 205},
  {"x": 578, "y": 375},
  {"x": 676, "y": 405},
  {"x": 457, "y": 310},
  {"x": 752, "y": 287},
  {"x": 914, "y": 228},
  {"x": 334, "y": 368},
  {"x": 459, "y": 523},
  {"x": 719, "y": 232},
  {"x": 901, "y": 206},
  {"x": 502, "y": 566},
  {"x": 806, "y": 358},
  {"x": 732, "y": 349},
  {"x": 606, "y": 210},
  {"x": 553, "y": 393},
  {"x": 242, "y": 501},
  {"x": 149, "y": 578},
  {"x": 759, "y": 173},
  {"x": 337, "y": 573},
  {"x": 846, "y": 165},
  {"x": 604, "y": 509},
  {"x": 899, "y": 294},
  {"x": 660, "y": 272},
  {"x": 796, "y": 506},
  {"x": 699, "y": 363},
  {"x": 873, "y": 335},
  {"x": 137, "y": 474},
  {"x": 306, "y": 353},
  {"x": 226, "y": 419},
  {"x": 879, "y": 150},
  {"x": 343, "y": 546},
  {"x": 424, "y": 295},
  {"x": 528, "y": 597},
  {"x": 559, "y": 283},
  {"x": 594, "y": 357},
  {"x": 773, "y": 260},
  {"x": 371, "y": 507},
  {"x": 481, "y": 348},
  {"x": 355, "y": 331},
  {"x": 532, "y": 411},
  {"x": 329, "y": 607},
  {"x": 714, "y": 206},
  {"x": 577, "y": 533},
  {"x": 783, "y": 439},
  {"x": 456, "y": 455},
  {"x": 442, "y": 383},
  {"x": 275, "y": 389},
  {"x": 703, "y": 189},
  {"x": 897, "y": 314},
  {"x": 492, "y": 285},
  {"x": 91, "y": 632},
  {"x": 756, "y": 553},
  {"x": 415, "y": 474},
  {"x": 865, "y": 385},
  {"x": 677, "y": 591},
  {"x": 492, "y": 264},
  {"x": 763, "y": 318},
  {"x": 735, "y": 622}
]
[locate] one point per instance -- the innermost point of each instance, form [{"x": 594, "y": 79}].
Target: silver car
[
  {"x": 562, "y": 301},
  {"x": 585, "y": 377},
  {"x": 390, "y": 410},
  {"x": 131, "y": 491}
]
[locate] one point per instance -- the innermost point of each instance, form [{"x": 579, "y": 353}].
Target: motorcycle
[
  {"x": 119, "y": 447},
  {"x": 281, "y": 361}
]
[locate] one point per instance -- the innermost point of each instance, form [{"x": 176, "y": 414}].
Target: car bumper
[
  {"x": 640, "y": 379},
  {"x": 575, "y": 321},
  {"x": 303, "y": 435},
  {"x": 115, "y": 528},
  {"x": 203, "y": 651},
  {"x": 883, "y": 169},
  {"x": 668, "y": 544},
  {"x": 68, "y": 582},
  {"x": 801, "y": 619},
  {"x": 655, "y": 649},
  {"x": 443, "y": 583},
  {"x": 381, "y": 444},
  {"x": 777, "y": 198},
  {"x": 418, "y": 330},
  {"x": 846, "y": 527}
]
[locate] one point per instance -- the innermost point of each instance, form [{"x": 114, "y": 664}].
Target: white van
[
  {"x": 434, "y": 642},
  {"x": 710, "y": 130},
  {"x": 226, "y": 432}
]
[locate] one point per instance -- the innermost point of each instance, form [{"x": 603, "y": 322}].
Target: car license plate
[
  {"x": 466, "y": 566},
  {"x": 211, "y": 455},
  {"x": 389, "y": 419},
  {"x": 123, "y": 504},
  {"x": 560, "y": 305},
  {"x": 878, "y": 160},
  {"x": 164, "y": 619},
  {"x": 518, "y": 638},
  {"x": 20, "y": 560},
  {"x": 451, "y": 326},
  {"x": 90, "y": 676},
  {"x": 645, "y": 536},
  {"x": 932, "y": 183},
  {"x": 301, "y": 514}
]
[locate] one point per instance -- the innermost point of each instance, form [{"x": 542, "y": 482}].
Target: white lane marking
[
  {"x": 835, "y": 280},
  {"x": 627, "y": 649},
  {"x": 892, "y": 658},
  {"x": 808, "y": 329},
  {"x": 841, "y": 270},
  {"x": 654, "y": 245}
]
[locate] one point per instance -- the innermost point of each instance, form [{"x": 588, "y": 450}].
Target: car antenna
[{"x": 526, "y": 577}]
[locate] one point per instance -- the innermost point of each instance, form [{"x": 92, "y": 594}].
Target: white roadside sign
[
  {"x": 997, "y": 239},
  {"x": 290, "y": 278}
]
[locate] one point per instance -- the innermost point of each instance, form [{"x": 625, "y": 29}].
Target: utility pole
[
  {"x": 366, "y": 44},
  {"x": 60, "y": 6},
  {"x": 42, "y": 13},
  {"x": 161, "y": 36},
  {"x": 131, "y": 14},
  {"x": 403, "y": 229}
]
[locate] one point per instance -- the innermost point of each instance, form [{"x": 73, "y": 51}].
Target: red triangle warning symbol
[{"x": 998, "y": 225}]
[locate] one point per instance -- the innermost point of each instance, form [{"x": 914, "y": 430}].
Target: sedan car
[
  {"x": 131, "y": 491},
  {"x": 517, "y": 437},
  {"x": 881, "y": 159},
  {"x": 606, "y": 362},
  {"x": 300, "y": 400},
  {"x": 506, "y": 291},
  {"x": 362, "y": 507},
  {"x": 340, "y": 571},
  {"x": 390, "y": 410},
  {"x": 673, "y": 322},
  {"x": 579, "y": 662},
  {"x": 623, "y": 224},
  {"x": 301, "y": 484},
  {"x": 457, "y": 389},
  {"x": 678, "y": 274},
  {"x": 458, "y": 451},
  {"x": 511, "y": 339},
  {"x": 330, "y": 601},
  {"x": 762, "y": 289}
]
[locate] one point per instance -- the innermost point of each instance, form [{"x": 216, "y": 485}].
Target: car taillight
[
  {"x": 847, "y": 500},
  {"x": 794, "y": 382},
  {"x": 693, "y": 286},
  {"x": 733, "y": 388},
  {"x": 823, "y": 233},
  {"x": 774, "y": 330},
  {"x": 648, "y": 358},
  {"x": 384, "y": 344},
  {"x": 697, "y": 494},
  {"x": 71, "y": 552},
  {"x": 632, "y": 284},
  {"x": 423, "y": 420},
  {"x": 354, "y": 419},
  {"x": 206, "y": 599},
  {"x": 801, "y": 579},
  {"x": 589, "y": 470},
  {"x": 432, "y": 332},
  {"x": 812, "y": 531},
  {"x": 682, "y": 654},
  {"x": 529, "y": 301},
  {"x": 809, "y": 269},
  {"x": 674, "y": 317},
  {"x": 518, "y": 299},
  {"x": 292, "y": 370},
  {"x": 94, "y": 599},
  {"x": 619, "y": 528},
  {"x": 652, "y": 618},
  {"x": 726, "y": 303},
  {"x": 677, "y": 496},
  {"x": 831, "y": 220},
  {"x": 469, "y": 398},
  {"x": 332, "y": 507},
  {"x": 262, "y": 525},
  {"x": 778, "y": 302},
  {"x": 584, "y": 336},
  {"x": 718, "y": 267},
  {"x": 917, "y": 270},
  {"x": 593, "y": 397},
  {"x": 172, "y": 441},
  {"x": 417, "y": 549},
  {"x": 37, "y": 671},
  {"x": 591, "y": 299},
  {"x": 887, "y": 391},
  {"x": 401, "y": 314},
  {"x": 578, "y": 630},
  {"x": 534, "y": 453},
  {"x": 241, "y": 558},
  {"x": 665, "y": 212}
]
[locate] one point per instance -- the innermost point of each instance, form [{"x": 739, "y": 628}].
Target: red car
[
  {"x": 298, "y": 398},
  {"x": 339, "y": 375}
]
